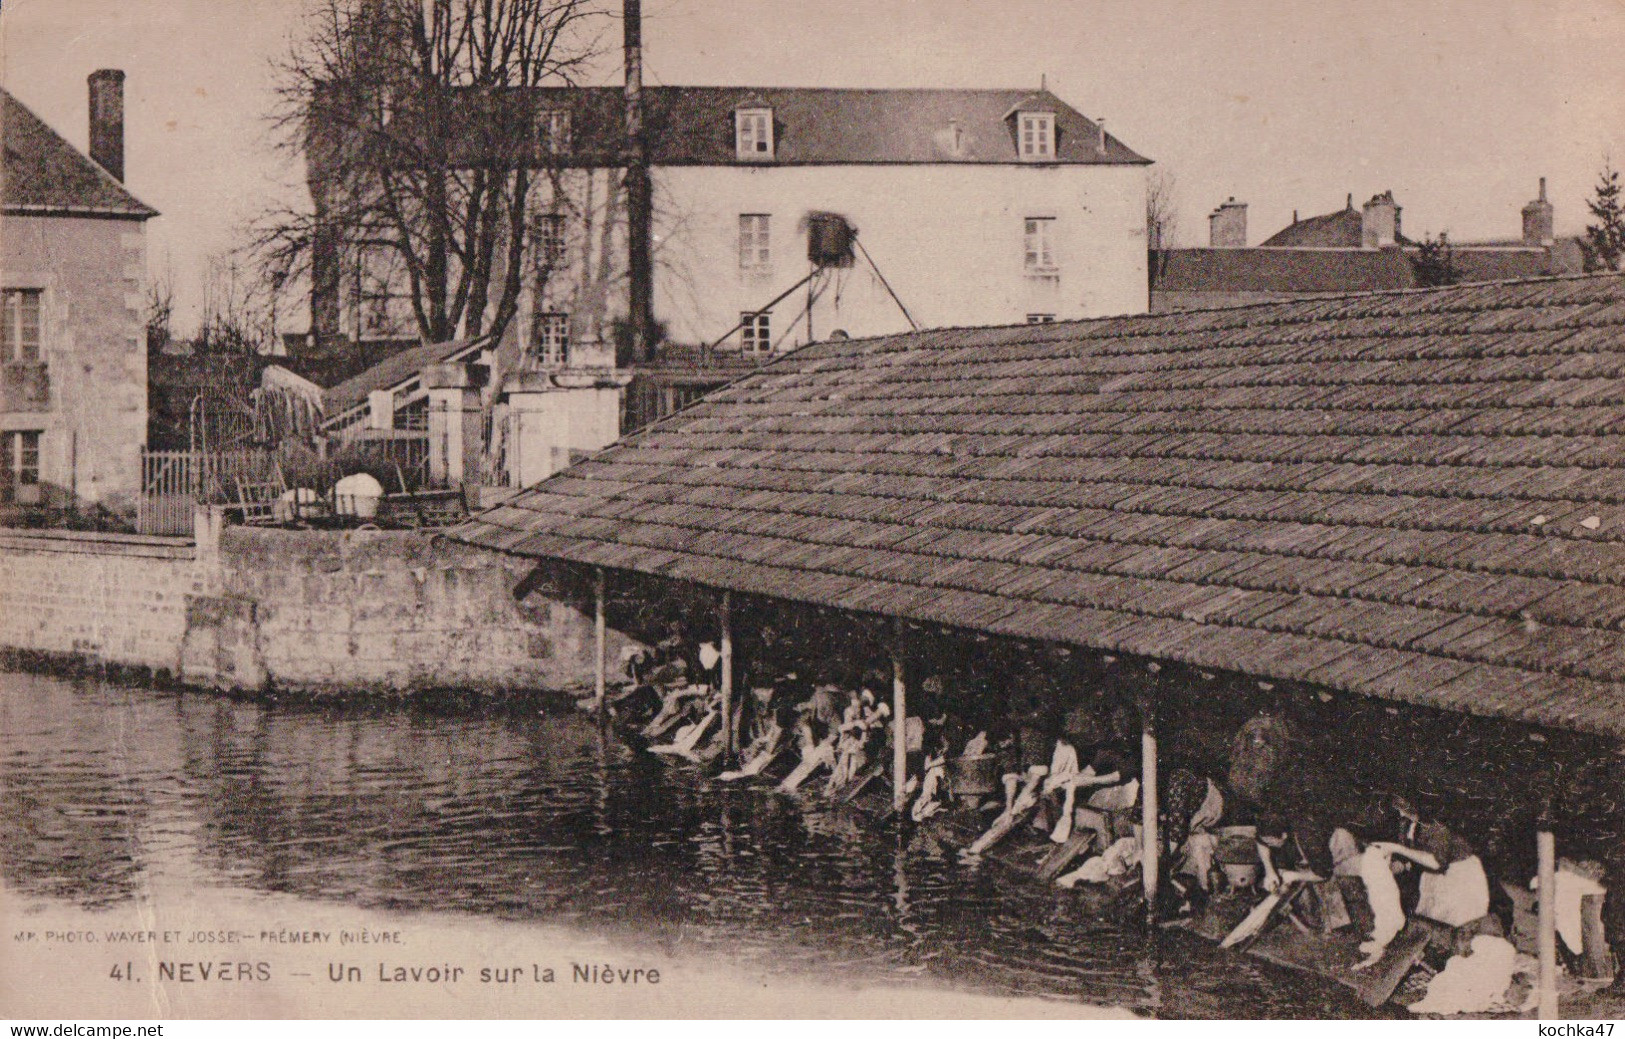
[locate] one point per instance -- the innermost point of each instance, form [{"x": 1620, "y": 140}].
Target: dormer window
[
  {"x": 753, "y": 134},
  {"x": 1037, "y": 136}
]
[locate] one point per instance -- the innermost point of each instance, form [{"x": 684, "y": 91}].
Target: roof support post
[
  {"x": 599, "y": 672},
  {"x": 899, "y": 709},
  {"x": 1150, "y": 841},
  {"x": 1546, "y": 904},
  {"x": 726, "y": 668}
]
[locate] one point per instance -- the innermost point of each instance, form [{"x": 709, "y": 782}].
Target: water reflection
[{"x": 106, "y": 790}]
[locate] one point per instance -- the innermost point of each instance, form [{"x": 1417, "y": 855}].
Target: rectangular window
[
  {"x": 755, "y": 246},
  {"x": 753, "y": 133},
  {"x": 414, "y": 416},
  {"x": 1039, "y": 245},
  {"x": 383, "y": 308},
  {"x": 21, "y": 459},
  {"x": 1040, "y": 319},
  {"x": 553, "y": 131},
  {"x": 756, "y": 332},
  {"x": 551, "y": 246},
  {"x": 20, "y": 336},
  {"x": 1037, "y": 136},
  {"x": 550, "y": 339}
]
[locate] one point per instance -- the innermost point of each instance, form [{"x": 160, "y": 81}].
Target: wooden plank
[
  {"x": 1397, "y": 961},
  {"x": 1253, "y": 924},
  {"x": 1597, "y": 959},
  {"x": 1058, "y": 858}
]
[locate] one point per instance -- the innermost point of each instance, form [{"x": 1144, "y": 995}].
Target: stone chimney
[
  {"x": 1537, "y": 220},
  {"x": 107, "y": 120},
  {"x": 1379, "y": 222},
  {"x": 1227, "y": 225}
]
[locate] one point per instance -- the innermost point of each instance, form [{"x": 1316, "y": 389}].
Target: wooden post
[
  {"x": 1546, "y": 902},
  {"x": 599, "y": 670},
  {"x": 1150, "y": 841},
  {"x": 899, "y": 709},
  {"x": 726, "y": 666}
]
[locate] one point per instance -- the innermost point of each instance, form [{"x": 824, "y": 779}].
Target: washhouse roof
[{"x": 1414, "y": 495}]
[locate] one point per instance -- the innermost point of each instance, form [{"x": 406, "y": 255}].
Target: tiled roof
[
  {"x": 1339, "y": 230},
  {"x": 43, "y": 173},
  {"x": 391, "y": 373},
  {"x": 689, "y": 126},
  {"x": 1268, "y": 269},
  {"x": 1417, "y": 496},
  {"x": 1280, "y": 270}
]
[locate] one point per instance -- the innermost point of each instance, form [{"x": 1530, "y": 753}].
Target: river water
[{"x": 529, "y": 814}]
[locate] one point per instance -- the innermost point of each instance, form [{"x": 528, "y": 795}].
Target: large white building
[
  {"x": 971, "y": 207},
  {"x": 975, "y": 207}
]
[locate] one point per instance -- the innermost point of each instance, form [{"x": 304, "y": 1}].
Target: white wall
[{"x": 948, "y": 238}]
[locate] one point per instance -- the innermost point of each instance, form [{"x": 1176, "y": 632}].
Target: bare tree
[
  {"x": 423, "y": 138},
  {"x": 1161, "y": 210},
  {"x": 237, "y": 308},
  {"x": 160, "y": 312}
]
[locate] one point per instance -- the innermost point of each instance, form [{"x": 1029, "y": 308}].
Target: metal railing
[{"x": 173, "y": 483}]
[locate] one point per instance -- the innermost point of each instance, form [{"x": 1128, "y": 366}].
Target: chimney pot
[
  {"x": 1537, "y": 220},
  {"x": 107, "y": 120}
]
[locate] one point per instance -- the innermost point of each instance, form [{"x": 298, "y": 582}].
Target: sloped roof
[
  {"x": 1268, "y": 269},
  {"x": 1339, "y": 230},
  {"x": 44, "y": 174},
  {"x": 1418, "y": 496},
  {"x": 391, "y": 373},
  {"x": 1281, "y": 270},
  {"x": 693, "y": 126}
]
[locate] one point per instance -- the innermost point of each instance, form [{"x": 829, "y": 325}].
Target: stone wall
[
  {"x": 92, "y": 419},
  {"x": 308, "y": 611},
  {"x": 398, "y": 610},
  {"x": 112, "y": 598}
]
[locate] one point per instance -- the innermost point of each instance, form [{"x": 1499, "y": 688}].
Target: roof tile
[{"x": 1340, "y": 491}]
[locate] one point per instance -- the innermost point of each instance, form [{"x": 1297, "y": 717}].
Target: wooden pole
[
  {"x": 899, "y": 740},
  {"x": 639, "y": 192},
  {"x": 725, "y": 622},
  {"x": 599, "y": 649},
  {"x": 1546, "y": 855},
  {"x": 1150, "y": 842}
]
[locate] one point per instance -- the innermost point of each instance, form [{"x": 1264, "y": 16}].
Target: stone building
[
  {"x": 1352, "y": 249},
  {"x": 73, "y": 407},
  {"x": 974, "y": 206}
]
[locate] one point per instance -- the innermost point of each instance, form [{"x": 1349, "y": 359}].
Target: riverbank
[{"x": 316, "y": 613}]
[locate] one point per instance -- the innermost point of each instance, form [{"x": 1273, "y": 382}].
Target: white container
[{"x": 357, "y": 496}]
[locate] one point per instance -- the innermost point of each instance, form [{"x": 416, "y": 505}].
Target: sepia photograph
[{"x": 872, "y": 509}]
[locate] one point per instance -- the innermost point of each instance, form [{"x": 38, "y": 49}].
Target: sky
[{"x": 1457, "y": 106}]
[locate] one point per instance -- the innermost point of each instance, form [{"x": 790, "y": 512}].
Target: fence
[
  {"x": 173, "y": 482},
  {"x": 399, "y": 460}
]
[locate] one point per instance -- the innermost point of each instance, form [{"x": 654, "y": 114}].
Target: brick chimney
[
  {"x": 1537, "y": 220},
  {"x": 1379, "y": 222},
  {"x": 107, "y": 120},
  {"x": 1227, "y": 225}
]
